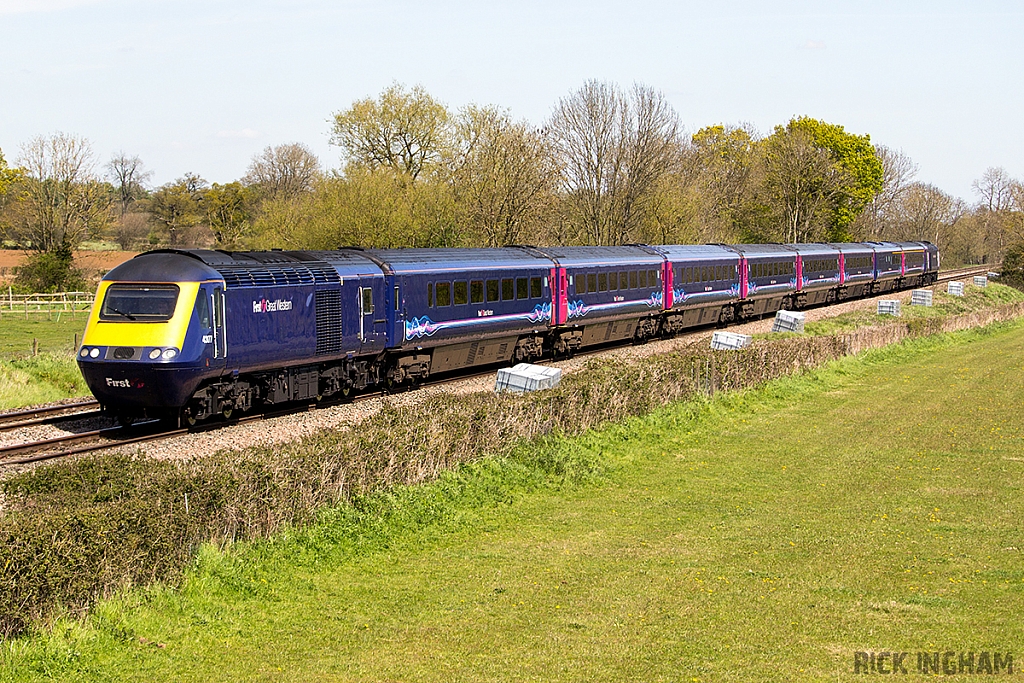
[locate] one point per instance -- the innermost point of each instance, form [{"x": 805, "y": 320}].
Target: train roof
[
  {"x": 852, "y": 247},
  {"x": 679, "y": 252},
  {"x": 570, "y": 257},
  {"x": 163, "y": 266},
  {"x": 408, "y": 261},
  {"x": 814, "y": 249},
  {"x": 765, "y": 250}
]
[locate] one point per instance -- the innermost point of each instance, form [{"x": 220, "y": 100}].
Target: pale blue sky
[{"x": 202, "y": 86}]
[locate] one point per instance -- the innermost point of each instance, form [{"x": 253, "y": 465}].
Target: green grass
[
  {"x": 974, "y": 299},
  {"x": 50, "y": 376},
  {"x": 764, "y": 535}
]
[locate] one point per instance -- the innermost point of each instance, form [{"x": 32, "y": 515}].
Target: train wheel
[
  {"x": 227, "y": 412},
  {"x": 188, "y": 418},
  {"x": 125, "y": 420}
]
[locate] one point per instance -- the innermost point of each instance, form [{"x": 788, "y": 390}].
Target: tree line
[{"x": 608, "y": 166}]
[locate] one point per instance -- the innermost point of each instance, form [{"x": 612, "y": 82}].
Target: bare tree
[
  {"x": 925, "y": 212},
  {"x": 501, "y": 175},
  {"x": 131, "y": 229},
  {"x": 283, "y": 172},
  {"x": 995, "y": 188},
  {"x": 129, "y": 177},
  {"x": 613, "y": 149},
  {"x": 881, "y": 216},
  {"x": 61, "y": 199}
]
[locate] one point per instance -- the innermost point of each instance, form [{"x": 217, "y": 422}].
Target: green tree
[
  {"x": 861, "y": 167},
  {"x": 178, "y": 205},
  {"x": 1013, "y": 266},
  {"x": 403, "y": 130},
  {"x": 229, "y": 211}
]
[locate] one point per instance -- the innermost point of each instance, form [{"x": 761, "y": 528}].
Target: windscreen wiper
[{"x": 119, "y": 312}]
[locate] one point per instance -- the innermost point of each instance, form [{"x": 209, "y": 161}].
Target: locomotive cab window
[{"x": 139, "y": 303}]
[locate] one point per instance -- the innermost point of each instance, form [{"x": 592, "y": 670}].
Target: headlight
[
  {"x": 95, "y": 353},
  {"x": 169, "y": 354},
  {"x": 85, "y": 352},
  {"x": 154, "y": 354}
]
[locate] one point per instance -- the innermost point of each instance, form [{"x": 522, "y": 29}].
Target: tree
[
  {"x": 881, "y": 216},
  {"x": 501, "y": 176},
  {"x": 800, "y": 186},
  {"x": 405, "y": 131},
  {"x": 860, "y": 165},
  {"x": 612, "y": 149},
  {"x": 927, "y": 213},
  {"x": 1013, "y": 266},
  {"x": 178, "y": 205},
  {"x": 229, "y": 211},
  {"x": 283, "y": 172},
  {"x": 129, "y": 179},
  {"x": 60, "y": 200}
]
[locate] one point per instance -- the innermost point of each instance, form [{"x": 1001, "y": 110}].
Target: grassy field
[
  {"x": 873, "y": 505},
  {"x": 53, "y": 374}
]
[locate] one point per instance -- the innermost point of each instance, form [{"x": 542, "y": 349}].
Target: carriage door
[
  {"x": 220, "y": 339},
  {"x": 372, "y": 313}
]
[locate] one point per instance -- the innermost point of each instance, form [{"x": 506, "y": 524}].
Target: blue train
[{"x": 195, "y": 334}]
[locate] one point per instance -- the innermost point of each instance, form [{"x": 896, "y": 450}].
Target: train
[{"x": 195, "y": 334}]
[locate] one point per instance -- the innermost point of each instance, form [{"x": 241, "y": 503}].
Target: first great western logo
[{"x": 271, "y": 306}]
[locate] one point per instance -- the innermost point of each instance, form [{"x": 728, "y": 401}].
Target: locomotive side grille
[
  {"x": 328, "y": 322},
  {"x": 264, "y": 275}
]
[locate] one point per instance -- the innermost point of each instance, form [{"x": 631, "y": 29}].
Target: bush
[
  {"x": 50, "y": 271},
  {"x": 1013, "y": 266}
]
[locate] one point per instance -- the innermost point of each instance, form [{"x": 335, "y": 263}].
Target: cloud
[
  {"x": 28, "y": 6},
  {"x": 244, "y": 133},
  {"x": 814, "y": 45}
]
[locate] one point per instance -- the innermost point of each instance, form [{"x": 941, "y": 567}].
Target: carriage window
[
  {"x": 430, "y": 294},
  {"x": 444, "y": 294},
  {"x": 643, "y": 279},
  {"x": 522, "y": 288},
  {"x": 367, "y": 300},
  {"x": 476, "y": 292},
  {"x": 461, "y": 293},
  {"x": 592, "y": 282},
  {"x": 492, "y": 290},
  {"x": 508, "y": 289},
  {"x": 613, "y": 281},
  {"x": 623, "y": 280},
  {"x": 536, "y": 290},
  {"x": 633, "y": 281},
  {"x": 652, "y": 278},
  {"x": 602, "y": 282},
  {"x": 581, "y": 284}
]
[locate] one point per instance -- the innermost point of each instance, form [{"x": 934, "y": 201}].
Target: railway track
[{"x": 115, "y": 437}]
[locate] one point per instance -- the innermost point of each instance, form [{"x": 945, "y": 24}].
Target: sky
[{"x": 202, "y": 87}]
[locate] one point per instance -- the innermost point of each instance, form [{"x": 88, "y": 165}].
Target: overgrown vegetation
[
  {"x": 52, "y": 375},
  {"x": 75, "y": 531}
]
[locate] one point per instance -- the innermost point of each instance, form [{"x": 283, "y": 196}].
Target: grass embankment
[
  {"x": 762, "y": 535},
  {"x": 53, "y": 374},
  {"x": 974, "y": 299}
]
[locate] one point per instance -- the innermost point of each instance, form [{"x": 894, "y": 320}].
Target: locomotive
[{"x": 193, "y": 334}]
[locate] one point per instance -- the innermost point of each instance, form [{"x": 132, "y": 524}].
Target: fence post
[{"x": 35, "y": 347}]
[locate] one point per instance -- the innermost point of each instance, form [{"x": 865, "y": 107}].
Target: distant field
[
  {"x": 92, "y": 262},
  {"x": 874, "y": 505}
]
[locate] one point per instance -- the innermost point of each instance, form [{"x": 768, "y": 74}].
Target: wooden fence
[{"x": 61, "y": 303}]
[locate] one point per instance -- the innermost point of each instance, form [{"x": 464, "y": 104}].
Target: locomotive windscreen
[{"x": 142, "y": 303}]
